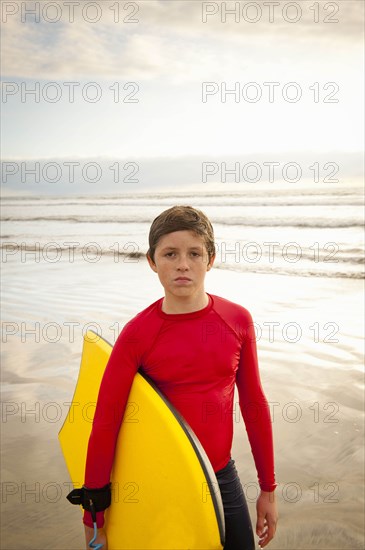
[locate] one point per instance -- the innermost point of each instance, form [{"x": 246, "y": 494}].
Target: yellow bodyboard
[{"x": 165, "y": 495}]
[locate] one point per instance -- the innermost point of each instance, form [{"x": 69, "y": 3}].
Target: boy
[{"x": 196, "y": 347}]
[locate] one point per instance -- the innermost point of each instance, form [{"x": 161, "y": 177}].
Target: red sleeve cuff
[
  {"x": 269, "y": 487},
  {"x": 87, "y": 519}
]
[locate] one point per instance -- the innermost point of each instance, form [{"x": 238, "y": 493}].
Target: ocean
[{"x": 292, "y": 232}]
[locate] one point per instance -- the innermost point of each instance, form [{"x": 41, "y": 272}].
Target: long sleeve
[
  {"x": 112, "y": 399},
  {"x": 255, "y": 409}
]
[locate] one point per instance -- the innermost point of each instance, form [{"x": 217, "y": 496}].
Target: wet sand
[{"x": 315, "y": 390}]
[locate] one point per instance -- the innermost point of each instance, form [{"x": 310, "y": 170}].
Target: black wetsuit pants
[{"x": 239, "y": 534}]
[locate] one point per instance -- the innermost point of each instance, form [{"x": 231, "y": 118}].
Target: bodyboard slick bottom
[{"x": 165, "y": 495}]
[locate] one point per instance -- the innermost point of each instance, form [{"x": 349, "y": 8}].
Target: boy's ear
[
  {"x": 151, "y": 263},
  {"x": 211, "y": 262}
]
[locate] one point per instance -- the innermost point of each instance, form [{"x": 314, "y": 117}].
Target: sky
[{"x": 152, "y": 79}]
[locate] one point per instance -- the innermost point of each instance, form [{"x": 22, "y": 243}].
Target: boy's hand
[
  {"x": 267, "y": 517},
  {"x": 100, "y": 539}
]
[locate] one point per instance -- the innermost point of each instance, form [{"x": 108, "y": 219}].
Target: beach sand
[{"x": 314, "y": 388}]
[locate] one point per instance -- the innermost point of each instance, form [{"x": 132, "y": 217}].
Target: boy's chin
[{"x": 181, "y": 291}]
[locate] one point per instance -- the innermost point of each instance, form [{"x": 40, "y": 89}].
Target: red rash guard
[{"x": 195, "y": 359}]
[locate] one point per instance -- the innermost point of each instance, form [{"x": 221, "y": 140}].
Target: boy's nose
[{"x": 183, "y": 263}]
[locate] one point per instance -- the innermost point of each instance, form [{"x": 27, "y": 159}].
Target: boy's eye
[{"x": 170, "y": 254}]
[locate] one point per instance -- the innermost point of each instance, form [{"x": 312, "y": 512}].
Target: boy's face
[{"x": 181, "y": 262}]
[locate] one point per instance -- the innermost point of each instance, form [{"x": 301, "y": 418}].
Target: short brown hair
[{"x": 180, "y": 218}]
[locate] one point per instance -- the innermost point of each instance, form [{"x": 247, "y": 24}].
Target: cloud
[
  {"x": 170, "y": 41},
  {"x": 175, "y": 172}
]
